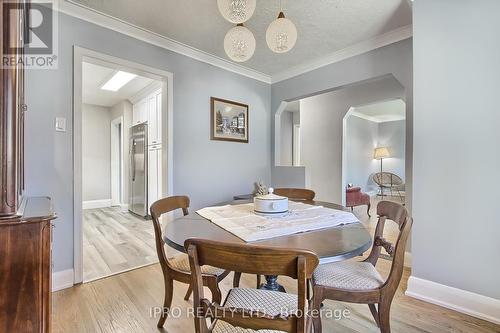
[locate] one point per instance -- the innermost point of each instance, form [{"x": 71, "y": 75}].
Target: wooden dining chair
[
  {"x": 177, "y": 268},
  {"x": 296, "y": 194},
  {"x": 248, "y": 308},
  {"x": 359, "y": 281}
]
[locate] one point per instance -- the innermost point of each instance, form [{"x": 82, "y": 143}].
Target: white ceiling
[
  {"x": 93, "y": 77},
  {"x": 324, "y": 26},
  {"x": 382, "y": 112}
]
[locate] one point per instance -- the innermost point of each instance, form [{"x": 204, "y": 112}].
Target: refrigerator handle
[{"x": 132, "y": 159}]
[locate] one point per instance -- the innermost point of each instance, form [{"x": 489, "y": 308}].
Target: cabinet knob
[{"x": 24, "y": 107}]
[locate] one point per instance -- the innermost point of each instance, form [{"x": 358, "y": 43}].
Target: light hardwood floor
[
  {"x": 124, "y": 303},
  {"x": 114, "y": 242}
]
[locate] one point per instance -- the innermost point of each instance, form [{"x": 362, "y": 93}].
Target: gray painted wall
[
  {"x": 391, "y": 134},
  {"x": 361, "y": 139},
  {"x": 395, "y": 59},
  {"x": 321, "y": 125},
  {"x": 457, "y": 159},
  {"x": 208, "y": 171},
  {"x": 290, "y": 176},
  {"x": 96, "y": 151},
  {"x": 124, "y": 109}
]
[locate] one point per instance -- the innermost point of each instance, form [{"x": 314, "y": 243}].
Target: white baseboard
[
  {"x": 463, "y": 301},
  {"x": 62, "y": 280},
  {"x": 91, "y": 204}
]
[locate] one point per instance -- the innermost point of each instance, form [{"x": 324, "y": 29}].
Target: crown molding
[
  {"x": 388, "y": 38},
  {"x": 71, "y": 8},
  {"x": 85, "y": 13},
  {"x": 377, "y": 119}
]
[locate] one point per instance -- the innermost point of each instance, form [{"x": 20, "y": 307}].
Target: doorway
[
  {"x": 374, "y": 149},
  {"x": 114, "y": 98}
]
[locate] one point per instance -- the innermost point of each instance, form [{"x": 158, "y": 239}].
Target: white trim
[
  {"x": 344, "y": 155},
  {"x": 378, "y": 119},
  {"x": 62, "y": 280},
  {"x": 388, "y": 38},
  {"x": 463, "y": 301},
  {"x": 277, "y": 133},
  {"x": 104, "y": 20},
  {"x": 90, "y": 15},
  {"x": 148, "y": 90},
  {"x": 92, "y": 204},
  {"x": 79, "y": 55},
  {"x": 117, "y": 161}
]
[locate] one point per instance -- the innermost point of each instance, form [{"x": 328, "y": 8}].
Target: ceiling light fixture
[
  {"x": 236, "y": 11},
  {"x": 117, "y": 81},
  {"x": 239, "y": 43},
  {"x": 281, "y": 35}
]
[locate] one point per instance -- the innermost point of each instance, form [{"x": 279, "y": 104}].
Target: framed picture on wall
[{"x": 228, "y": 120}]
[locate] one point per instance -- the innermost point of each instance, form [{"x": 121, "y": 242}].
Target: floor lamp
[{"x": 379, "y": 154}]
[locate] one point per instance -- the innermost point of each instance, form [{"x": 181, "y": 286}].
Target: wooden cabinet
[
  {"x": 26, "y": 268},
  {"x": 25, "y": 223},
  {"x": 12, "y": 105}
]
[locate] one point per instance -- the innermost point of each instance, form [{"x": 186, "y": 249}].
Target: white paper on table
[{"x": 241, "y": 220}]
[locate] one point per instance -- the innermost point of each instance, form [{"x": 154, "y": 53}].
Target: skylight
[{"x": 118, "y": 80}]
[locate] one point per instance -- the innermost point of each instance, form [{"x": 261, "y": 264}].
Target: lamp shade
[
  {"x": 239, "y": 44},
  {"x": 381, "y": 152},
  {"x": 281, "y": 35},
  {"x": 236, "y": 11}
]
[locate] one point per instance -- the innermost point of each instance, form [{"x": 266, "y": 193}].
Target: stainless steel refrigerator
[{"x": 138, "y": 195}]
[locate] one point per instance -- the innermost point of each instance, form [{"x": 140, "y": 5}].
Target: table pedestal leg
[{"x": 272, "y": 284}]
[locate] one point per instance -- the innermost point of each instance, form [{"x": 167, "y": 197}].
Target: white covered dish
[{"x": 270, "y": 204}]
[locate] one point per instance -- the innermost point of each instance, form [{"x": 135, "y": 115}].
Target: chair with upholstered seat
[
  {"x": 359, "y": 281},
  {"x": 177, "y": 268},
  {"x": 245, "y": 309}
]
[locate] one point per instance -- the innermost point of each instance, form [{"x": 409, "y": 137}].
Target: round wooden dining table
[{"x": 330, "y": 244}]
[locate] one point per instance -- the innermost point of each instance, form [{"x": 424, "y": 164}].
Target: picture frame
[{"x": 228, "y": 120}]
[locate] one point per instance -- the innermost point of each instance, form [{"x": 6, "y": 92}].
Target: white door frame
[
  {"x": 296, "y": 145},
  {"x": 344, "y": 138},
  {"x": 80, "y": 55},
  {"x": 117, "y": 161}
]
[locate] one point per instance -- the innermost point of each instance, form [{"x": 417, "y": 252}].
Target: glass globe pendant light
[
  {"x": 281, "y": 35},
  {"x": 239, "y": 43},
  {"x": 236, "y": 11}
]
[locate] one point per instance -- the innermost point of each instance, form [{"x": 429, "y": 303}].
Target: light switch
[{"x": 60, "y": 124}]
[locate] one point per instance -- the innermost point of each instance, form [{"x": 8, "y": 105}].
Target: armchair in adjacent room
[{"x": 354, "y": 197}]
